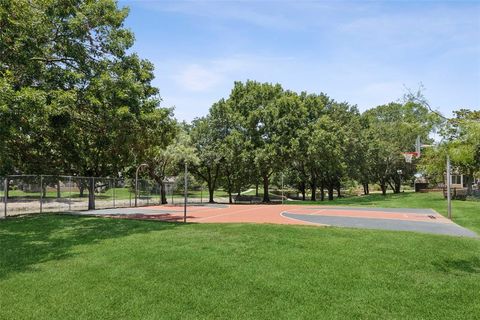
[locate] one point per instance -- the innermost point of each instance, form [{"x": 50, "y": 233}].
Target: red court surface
[
  {"x": 215, "y": 213},
  {"x": 401, "y": 219}
]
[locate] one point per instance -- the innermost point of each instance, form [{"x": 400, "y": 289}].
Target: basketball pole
[
  {"x": 186, "y": 195},
  {"x": 136, "y": 181}
]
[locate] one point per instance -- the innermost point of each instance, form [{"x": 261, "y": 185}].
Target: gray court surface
[
  {"x": 130, "y": 211},
  {"x": 151, "y": 210},
  {"x": 383, "y": 210},
  {"x": 386, "y": 224}
]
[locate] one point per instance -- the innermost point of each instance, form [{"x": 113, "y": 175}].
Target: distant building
[{"x": 458, "y": 181}]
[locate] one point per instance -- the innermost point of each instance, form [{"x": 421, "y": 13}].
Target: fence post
[
  {"x": 5, "y": 196},
  {"x": 69, "y": 193},
  {"x": 41, "y": 193},
  {"x": 93, "y": 196},
  {"x": 113, "y": 191},
  {"x": 148, "y": 196}
]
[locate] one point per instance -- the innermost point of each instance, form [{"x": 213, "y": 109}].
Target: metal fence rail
[
  {"x": 27, "y": 194},
  {"x": 31, "y": 194}
]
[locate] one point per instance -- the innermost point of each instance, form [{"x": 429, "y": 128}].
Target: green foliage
[
  {"x": 315, "y": 141},
  {"x": 72, "y": 99},
  {"x": 461, "y": 142},
  {"x": 75, "y": 100},
  {"x": 390, "y": 130},
  {"x": 205, "y": 137}
]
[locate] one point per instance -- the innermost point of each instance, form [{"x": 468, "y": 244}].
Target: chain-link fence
[
  {"x": 25, "y": 194},
  {"x": 196, "y": 193}
]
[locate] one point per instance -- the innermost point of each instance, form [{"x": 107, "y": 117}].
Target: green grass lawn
[
  {"x": 66, "y": 267},
  {"x": 465, "y": 213}
]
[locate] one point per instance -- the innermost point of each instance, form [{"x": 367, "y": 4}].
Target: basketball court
[{"x": 400, "y": 219}]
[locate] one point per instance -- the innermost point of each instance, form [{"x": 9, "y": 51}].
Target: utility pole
[
  {"x": 186, "y": 194},
  {"x": 5, "y": 196},
  {"x": 449, "y": 196}
]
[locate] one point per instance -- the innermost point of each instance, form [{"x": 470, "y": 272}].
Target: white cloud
[
  {"x": 195, "y": 77},
  {"x": 362, "y": 53},
  {"x": 212, "y": 74}
]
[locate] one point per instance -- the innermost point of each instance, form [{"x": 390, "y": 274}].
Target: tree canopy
[{"x": 75, "y": 100}]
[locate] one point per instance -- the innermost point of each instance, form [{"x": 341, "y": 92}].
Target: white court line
[
  {"x": 297, "y": 220},
  {"x": 317, "y": 212},
  {"x": 227, "y": 214}
]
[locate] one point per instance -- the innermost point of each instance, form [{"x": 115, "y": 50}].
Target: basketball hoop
[{"x": 409, "y": 156}]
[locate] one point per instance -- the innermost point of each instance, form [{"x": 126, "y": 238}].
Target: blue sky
[{"x": 361, "y": 52}]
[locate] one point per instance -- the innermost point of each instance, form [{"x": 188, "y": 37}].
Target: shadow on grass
[
  {"x": 27, "y": 241},
  {"x": 471, "y": 265}
]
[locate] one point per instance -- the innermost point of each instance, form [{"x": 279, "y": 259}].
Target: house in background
[
  {"x": 459, "y": 186},
  {"x": 458, "y": 181}
]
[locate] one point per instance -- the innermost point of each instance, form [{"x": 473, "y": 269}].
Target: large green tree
[
  {"x": 269, "y": 118},
  {"x": 206, "y": 142},
  {"x": 461, "y": 141},
  {"x": 392, "y": 129},
  {"x": 72, "y": 99}
]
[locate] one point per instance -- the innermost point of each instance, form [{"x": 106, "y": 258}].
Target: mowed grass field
[{"x": 68, "y": 267}]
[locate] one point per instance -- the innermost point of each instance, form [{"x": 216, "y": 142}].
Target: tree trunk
[
  {"x": 163, "y": 195},
  {"x": 81, "y": 189},
  {"x": 339, "y": 190},
  {"x": 322, "y": 192},
  {"x": 91, "y": 194},
  {"x": 266, "y": 196},
  {"x": 211, "y": 191},
  {"x": 469, "y": 178},
  {"x": 230, "y": 200},
  {"x": 256, "y": 189},
  {"x": 395, "y": 186},
  {"x": 59, "y": 195},
  {"x": 365, "y": 189},
  {"x": 302, "y": 190},
  {"x": 398, "y": 186},
  {"x": 313, "y": 186},
  {"x": 391, "y": 186},
  {"x": 330, "y": 192},
  {"x": 384, "y": 188}
]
